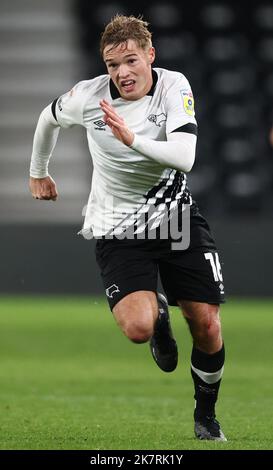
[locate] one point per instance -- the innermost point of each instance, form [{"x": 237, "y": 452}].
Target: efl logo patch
[{"x": 188, "y": 102}]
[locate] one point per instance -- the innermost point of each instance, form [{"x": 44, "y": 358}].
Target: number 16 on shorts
[{"x": 213, "y": 259}]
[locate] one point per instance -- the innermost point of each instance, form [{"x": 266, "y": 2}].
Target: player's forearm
[
  {"x": 45, "y": 138},
  {"x": 178, "y": 152}
]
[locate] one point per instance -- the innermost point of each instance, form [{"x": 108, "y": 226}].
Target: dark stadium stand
[{"x": 225, "y": 49}]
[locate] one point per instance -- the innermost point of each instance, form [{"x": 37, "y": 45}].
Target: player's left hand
[{"x": 116, "y": 124}]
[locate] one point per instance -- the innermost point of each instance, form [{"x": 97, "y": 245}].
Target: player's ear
[{"x": 151, "y": 54}]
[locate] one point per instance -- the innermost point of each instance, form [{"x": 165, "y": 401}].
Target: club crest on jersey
[
  {"x": 157, "y": 119},
  {"x": 110, "y": 291},
  {"x": 188, "y": 102}
]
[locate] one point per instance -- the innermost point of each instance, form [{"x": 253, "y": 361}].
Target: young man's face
[{"x": 129, "y": 66}]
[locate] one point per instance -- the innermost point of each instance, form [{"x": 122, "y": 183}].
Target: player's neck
[{"x": 149, "y": 84}]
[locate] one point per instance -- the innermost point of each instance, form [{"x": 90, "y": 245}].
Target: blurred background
[
  {"x": 224, "y": 48},
  {"x": 69, "y": 378}
]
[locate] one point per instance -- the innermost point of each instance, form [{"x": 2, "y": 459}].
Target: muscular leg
[
  {"x": 207, "y": 364},
  {"x": 143, "y": 316},
  {"x": 204, "y": 323},
  {"x": 136, "y": 314}
]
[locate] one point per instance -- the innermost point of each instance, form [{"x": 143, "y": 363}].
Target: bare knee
[
  {"x": 135, "y": 314},
  {"x": 205, "y": 325},
  {"x": 138, "y": 331},
  {"x": 207, "y": 329}
]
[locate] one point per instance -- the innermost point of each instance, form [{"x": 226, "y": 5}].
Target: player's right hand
[{"x": 43, "y": 188}]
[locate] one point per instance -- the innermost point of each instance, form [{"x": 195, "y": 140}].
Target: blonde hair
[{"x": 122, "y": 28}]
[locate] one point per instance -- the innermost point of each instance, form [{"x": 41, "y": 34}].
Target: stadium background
[{"x": 226, "y": 51}]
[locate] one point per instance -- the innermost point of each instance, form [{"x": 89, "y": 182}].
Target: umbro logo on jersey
[
  {"x": 157, "y": 119},
  {"x": 100, "y": 125}
]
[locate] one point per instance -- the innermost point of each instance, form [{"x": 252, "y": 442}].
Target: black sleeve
[
  {"x": 190, "y": 128},
  {"x": 53, "y": 108}
]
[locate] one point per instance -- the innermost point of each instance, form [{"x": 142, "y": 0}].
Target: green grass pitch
[{"x": 69, "y": 379}]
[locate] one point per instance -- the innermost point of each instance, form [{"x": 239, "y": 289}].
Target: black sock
[{"x": 206, "y": 386}]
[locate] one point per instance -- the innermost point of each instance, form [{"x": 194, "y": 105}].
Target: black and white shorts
[{"x": 192, "y": 274}]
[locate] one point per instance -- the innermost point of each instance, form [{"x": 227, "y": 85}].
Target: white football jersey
[{"x": 125, "y": 181}]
